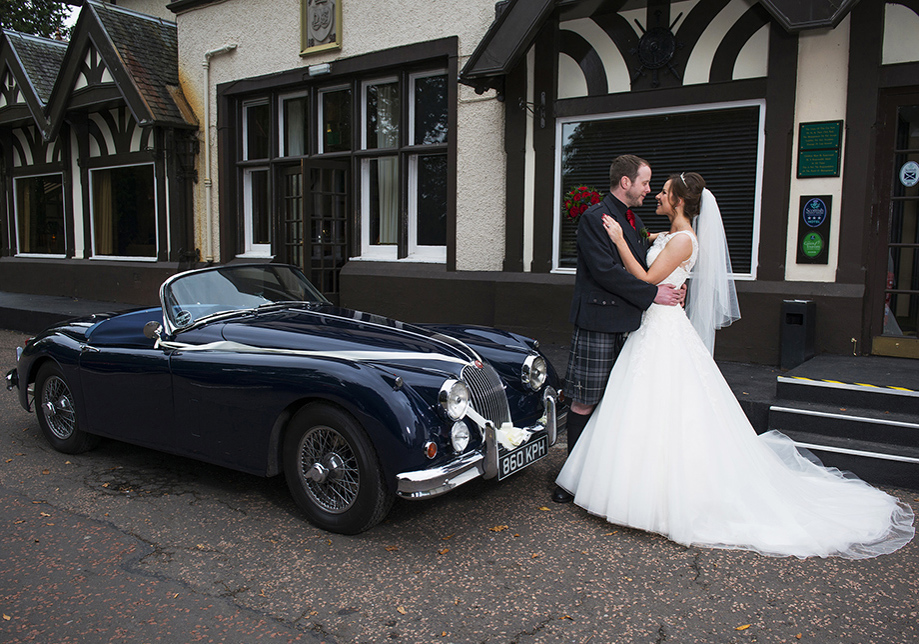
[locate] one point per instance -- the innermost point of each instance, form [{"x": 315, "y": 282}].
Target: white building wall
[
  {"x": 267, "y": 35},
  {"x": 820, "y": 95}
]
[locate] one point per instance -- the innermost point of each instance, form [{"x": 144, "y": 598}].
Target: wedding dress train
[{"x": 669, "y": 450}]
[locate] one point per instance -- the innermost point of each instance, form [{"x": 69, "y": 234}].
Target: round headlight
[
  {"x": 534, "y": 372},
  {"x": 459, "y": 436},
  {"x": 454, "y": 397}
]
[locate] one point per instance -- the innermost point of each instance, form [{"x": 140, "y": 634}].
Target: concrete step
[
  {"x": 877, "y": 463},
  {"x": 849, "y": 423},
  {"x": 837, "y": 393}
]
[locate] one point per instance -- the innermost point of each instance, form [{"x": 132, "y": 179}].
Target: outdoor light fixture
[{"x": 318, "y": 70}]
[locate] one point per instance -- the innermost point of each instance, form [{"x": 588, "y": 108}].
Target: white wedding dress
[{"x": 668, "y": 449}]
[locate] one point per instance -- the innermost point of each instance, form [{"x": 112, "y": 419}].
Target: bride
[{"x": 669, "y": 449}]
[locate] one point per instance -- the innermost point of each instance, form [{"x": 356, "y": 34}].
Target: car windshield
[{"x": 190, "y": 297}]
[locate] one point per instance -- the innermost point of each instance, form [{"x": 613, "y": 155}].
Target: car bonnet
[{"x": 343, "y": 333}]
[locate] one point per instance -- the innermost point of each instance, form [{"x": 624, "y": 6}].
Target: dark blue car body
[{"x": 228, "y": 390}]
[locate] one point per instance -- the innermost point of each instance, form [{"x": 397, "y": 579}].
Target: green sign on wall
[{"x": 819, "y": 146}]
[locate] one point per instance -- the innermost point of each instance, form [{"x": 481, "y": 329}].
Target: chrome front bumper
[{"x": 424, "y": 484}]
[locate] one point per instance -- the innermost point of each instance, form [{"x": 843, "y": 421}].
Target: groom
[{"x": 608, "y": 300}]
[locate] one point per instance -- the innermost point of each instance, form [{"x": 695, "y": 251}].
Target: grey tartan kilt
[{"x": 590, "y": 362}]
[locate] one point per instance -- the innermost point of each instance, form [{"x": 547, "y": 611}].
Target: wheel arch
[{"x": 387, "y": 438}]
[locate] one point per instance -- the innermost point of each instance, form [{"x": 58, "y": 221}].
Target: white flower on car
[{"x": 510, "y": 436}]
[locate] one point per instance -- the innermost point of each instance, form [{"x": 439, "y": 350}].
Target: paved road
[{"x": 122, "y": 544}]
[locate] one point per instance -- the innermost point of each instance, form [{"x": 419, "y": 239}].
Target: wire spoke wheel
[
  {"x": 333, "y": 470},
  {"x": 56, "y": 408},
  {"x": 329, "y": 469},
  {"x": 57, "y": 405}
]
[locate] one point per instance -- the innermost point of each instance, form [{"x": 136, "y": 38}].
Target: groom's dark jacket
[{"x": 606, "y": 296}]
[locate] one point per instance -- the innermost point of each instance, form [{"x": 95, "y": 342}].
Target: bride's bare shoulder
[{"x": 681, "y": 244}]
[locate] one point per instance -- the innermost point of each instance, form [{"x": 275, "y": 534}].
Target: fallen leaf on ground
[
  {"x": 402, "y": 610},
  {"x": 444, "y": 551},
  {"x": 449, "y": 536},
  {"x": 6, "y": 617},
  {"x": 392, "y": 548},
  {"x": 544, "y": 508},
  {"x": 498, "y": 528},
  {"x": 743, "y": 628}
]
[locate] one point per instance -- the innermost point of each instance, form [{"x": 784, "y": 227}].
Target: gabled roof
[
  {"x": 118, "y": 55},
  {"x": 28, "y": 67},
  {"x": 518, "y": 21}
]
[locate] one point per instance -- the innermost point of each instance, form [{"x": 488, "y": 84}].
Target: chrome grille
[{"x": 487, "y": 393}]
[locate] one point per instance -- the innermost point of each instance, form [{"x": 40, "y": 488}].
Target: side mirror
[{"x": 152, "y": 329}]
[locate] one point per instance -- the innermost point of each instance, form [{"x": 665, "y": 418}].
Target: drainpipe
[{"x": 207, "y": 146}]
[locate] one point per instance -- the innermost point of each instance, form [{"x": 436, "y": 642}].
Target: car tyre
[
  {"x": 333, "y": 471},
  {"x": 56, "y": 409}
]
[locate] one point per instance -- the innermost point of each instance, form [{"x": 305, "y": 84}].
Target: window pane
[
  {"x": 382, "y": 113},
  {"x": 40, "y": 215},
  {"x": 124, "y": 211},
  {"x": 430, "y": 110},
  {"x": 384, "y": 200},
  {"x": 259, "y": 208},
  {"x": 336, "y": 120},
  {"x": 432, "y": 200},
  {"x": 257, "y": 131},
  {"x": 295, "y": 127},
  {"x": 721, "y": 145}
]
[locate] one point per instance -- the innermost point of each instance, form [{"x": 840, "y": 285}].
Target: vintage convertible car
[{"x": 250, "y": 367}]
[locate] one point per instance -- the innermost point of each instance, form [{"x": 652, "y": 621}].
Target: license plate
[{"x": 526, "y": 454}]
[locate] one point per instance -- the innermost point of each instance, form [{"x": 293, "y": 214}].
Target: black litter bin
[{"x": 799, "y": 319}]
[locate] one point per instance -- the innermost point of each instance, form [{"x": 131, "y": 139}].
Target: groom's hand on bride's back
[{"x": 669, "y": 296}]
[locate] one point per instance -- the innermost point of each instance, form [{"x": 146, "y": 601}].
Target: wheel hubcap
[
  {"x": 57, "y": 405},
  {"x": 328, "y": 469}
]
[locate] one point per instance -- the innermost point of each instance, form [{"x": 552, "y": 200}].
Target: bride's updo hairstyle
[{"x": 687, "y": 186}]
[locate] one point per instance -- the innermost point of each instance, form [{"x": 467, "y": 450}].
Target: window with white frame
[
  {"x": 40, "y": 215},
  {"x": 294, "y": 120},
  {"x": 256, "y": 212},
  {"x": 421, "y": 149},
  {"x": 390, "y": 132},
  {"x": 723, "y": 143},
  {"x": 124, "y": 211},
  {"x": 380, "y": 116},
  {"x": 256, "y": 193}
]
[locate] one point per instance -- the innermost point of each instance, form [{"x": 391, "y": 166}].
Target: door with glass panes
[
  {"x": 894, "y": 299},
  {"x": 314, "y": 207}
]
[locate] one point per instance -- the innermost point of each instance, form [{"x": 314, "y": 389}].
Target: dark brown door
[
  {"x": 894, "y": 298},
  {"x": 315, "y": 210}
]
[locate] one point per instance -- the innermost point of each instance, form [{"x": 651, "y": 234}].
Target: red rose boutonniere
[{"x": 579, "y": 199}]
